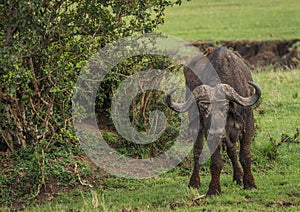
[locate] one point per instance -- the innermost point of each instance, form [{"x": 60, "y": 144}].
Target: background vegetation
[
  {"x": 45, "y": 44},
  {"x": 234, "y": 20}
]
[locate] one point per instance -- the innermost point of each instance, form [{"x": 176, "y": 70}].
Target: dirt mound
[{"x": 278, "y": 54}]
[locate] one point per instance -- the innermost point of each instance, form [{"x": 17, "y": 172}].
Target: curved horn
[
  {"x": 232, "y": 95},
  {"x": 179, "y": 107}
]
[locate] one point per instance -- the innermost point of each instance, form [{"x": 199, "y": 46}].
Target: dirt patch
[{"x": 278, "y": 54}]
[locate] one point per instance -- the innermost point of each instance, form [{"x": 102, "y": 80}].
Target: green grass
[
  {"x": 234, "y": 20},
  {"x": 277, "y": 180},
  {"x": 280, "y": 103}
]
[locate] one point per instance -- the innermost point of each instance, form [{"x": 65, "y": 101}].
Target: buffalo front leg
[
  {"x": 198, "y": 147},
  {"x": 216, "y": 166}
]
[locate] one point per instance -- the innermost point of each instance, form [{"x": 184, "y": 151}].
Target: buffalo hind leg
[
  {"x": 198, "y": 147},
  {"x": 245, "y": 159},
  {"x": 216, "y": 166},
  {"x": 231, "y": 149}
]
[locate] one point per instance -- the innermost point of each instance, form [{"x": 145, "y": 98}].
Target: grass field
[
  {"x": 276, "y": 170},
  {"x": 276, "y": 164},
  {"x": 234, "y": 20}
]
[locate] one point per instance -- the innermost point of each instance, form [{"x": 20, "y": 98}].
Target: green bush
[{"x": 44, "y": 45}]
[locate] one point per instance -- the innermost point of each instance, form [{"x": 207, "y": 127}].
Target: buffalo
[{"x": 229, "y": 100}]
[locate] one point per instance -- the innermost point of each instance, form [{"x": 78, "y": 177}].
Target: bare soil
[{"x": 261, "y": 54}]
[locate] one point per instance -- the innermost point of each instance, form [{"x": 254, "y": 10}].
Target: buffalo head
[{"x": 213, "y": 104}]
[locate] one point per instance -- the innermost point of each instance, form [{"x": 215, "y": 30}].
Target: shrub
[{"x": 44, "y": 46}]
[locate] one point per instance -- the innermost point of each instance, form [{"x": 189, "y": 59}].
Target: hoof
[
  {"x": 239, "y": 181},
  {"x": 249, "y": 186},
  {"x": 194, "y": 185},
  {"x": 213, "y": 192},
  {"x": 253, "y": 187},
  {"x": 194, "y": 181}
]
